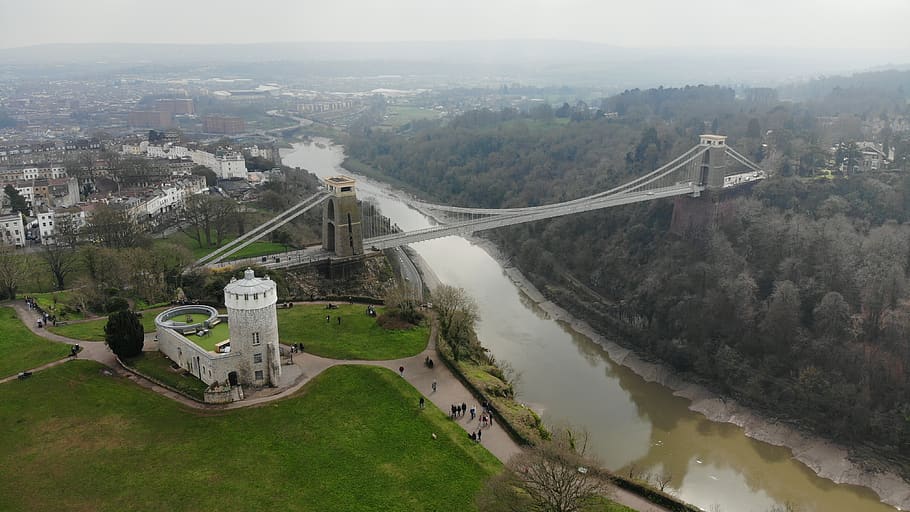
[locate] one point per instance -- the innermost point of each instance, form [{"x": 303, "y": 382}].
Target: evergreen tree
[{"x": 124, "y": 334}]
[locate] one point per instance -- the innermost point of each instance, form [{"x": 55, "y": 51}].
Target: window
[
  {"x": 255, "y": 296},
  {"x": 246, "y": 296},
  {"x": 256, "y": 338},
  {"x": 257, "y": 358},
  {"x": 258, "y": 374}
]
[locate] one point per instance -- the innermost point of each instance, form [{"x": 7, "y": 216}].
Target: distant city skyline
[{"x": 730, "y": 24}]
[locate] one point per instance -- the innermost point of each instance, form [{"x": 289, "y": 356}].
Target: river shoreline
[
  {"x": 819, "y": 458},
  {"x": 826, "y": 459}
]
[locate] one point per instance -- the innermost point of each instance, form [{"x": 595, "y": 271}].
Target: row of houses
[
  {"x": 147, "y": 207},
  {"x": 227, "y": 164}
]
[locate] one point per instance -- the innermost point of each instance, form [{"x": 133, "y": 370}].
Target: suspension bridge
[{"x": 702, "y": 168}]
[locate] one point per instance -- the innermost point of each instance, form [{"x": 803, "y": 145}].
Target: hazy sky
[{"x": 631, "y": 23}]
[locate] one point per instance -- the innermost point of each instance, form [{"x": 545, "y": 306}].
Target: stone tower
[
  {"x": 253, "y": 325},
  {"x": 714, "y": 162},
  {"x": 341, "y": 229}
]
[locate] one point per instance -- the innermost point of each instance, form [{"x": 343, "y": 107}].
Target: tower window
[
  {"x": 257, "y": 358},
  {"x": 258, "y": 374},
  {"x": 256, "y": 338},
  {"x": 246, "y": 296}
]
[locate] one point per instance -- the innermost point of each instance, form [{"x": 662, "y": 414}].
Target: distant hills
[{"x": 531, "y": 61}]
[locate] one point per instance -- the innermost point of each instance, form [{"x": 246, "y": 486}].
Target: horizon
[{"x": 779, "y": 24}]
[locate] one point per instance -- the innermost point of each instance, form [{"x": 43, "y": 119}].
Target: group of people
[
  {"x": 296, "y": 347},
  {"x": 45, "y": 317}
]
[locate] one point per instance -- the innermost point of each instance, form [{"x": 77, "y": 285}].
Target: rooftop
[{"x": 250, "y": 284}]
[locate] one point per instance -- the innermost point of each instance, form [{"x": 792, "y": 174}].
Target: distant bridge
[{"x": 701, "y": 168}]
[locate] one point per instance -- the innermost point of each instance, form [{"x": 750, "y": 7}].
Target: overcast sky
[{"x": 631, "y": 23}]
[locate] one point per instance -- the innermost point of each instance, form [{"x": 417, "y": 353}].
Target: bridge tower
[
  {"x": 341, "y": 228},
  {"x": 712, "y": 168}
]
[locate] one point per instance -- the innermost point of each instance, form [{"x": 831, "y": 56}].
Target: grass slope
[
  {"x": 258, "y": 248},
  {"x": 20, "y": 349},
  {"x": 352, "y": 440},
  {"x": 158, "y": 366},
  {"x": 357, "y": 337}
]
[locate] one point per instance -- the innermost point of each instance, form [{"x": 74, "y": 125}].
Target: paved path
[{"x": 449, "y": 389}]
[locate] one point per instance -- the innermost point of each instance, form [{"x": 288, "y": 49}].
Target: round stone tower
[{"x": 253, "y": 326}]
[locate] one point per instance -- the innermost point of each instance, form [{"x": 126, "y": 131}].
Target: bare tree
[
  {"x": 555, "y": 476},
  {"x": 114, "y": 228},
  {"x": 12, "y": 271},
  {"x": 663, "y": 479},
  {"x": 205, "y": 215},
  {"x": 403, "y": 299},
  {"x": 457, "y": 315},
  {"x": 61, "y": 260}
]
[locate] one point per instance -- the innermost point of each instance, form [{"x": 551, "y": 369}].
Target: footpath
[{"x": 449, "y": 389}]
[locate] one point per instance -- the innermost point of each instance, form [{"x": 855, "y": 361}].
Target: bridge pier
[
  {"x": 342, "y": 233},
  {"x": 713, "y": 166}
]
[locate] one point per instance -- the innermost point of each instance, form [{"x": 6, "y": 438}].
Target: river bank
[
  {"x": 637, "y": 426},
  {"x": 826, "y": 459}
]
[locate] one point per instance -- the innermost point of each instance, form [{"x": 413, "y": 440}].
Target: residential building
[
  {"x": 151, "y": 119},
  {"x": 12, "y": 230}
]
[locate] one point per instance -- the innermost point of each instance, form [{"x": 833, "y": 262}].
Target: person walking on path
[
  {"x": 401, "y": 370},
  {"x": 473, "y": 412},
  {"x": 434, "y": 385},
  {"x": 478, "y": 436},
  {"x": 464, "y": 408},
  {"x": 422, "y": 403}
]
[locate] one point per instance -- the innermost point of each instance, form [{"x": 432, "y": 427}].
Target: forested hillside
[{"x": 792, "y": 297}]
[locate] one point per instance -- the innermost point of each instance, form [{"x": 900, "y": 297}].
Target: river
[{"x": 570, "y": 379}]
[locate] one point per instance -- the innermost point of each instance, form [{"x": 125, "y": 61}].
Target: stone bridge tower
[
  {"x": 713, "y": 165},
  {"x": 341, "y": 228}
]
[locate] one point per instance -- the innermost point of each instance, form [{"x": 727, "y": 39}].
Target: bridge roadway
[{"x": 540, "y": 213}]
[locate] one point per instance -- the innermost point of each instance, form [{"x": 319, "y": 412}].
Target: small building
[{"x": 244, "y": 354}]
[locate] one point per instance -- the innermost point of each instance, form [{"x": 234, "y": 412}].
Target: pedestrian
[
  {"x": 491, "y": 417},
  {"x": 339, "y": 320},
  {"x": 401, "y": 370},
  {"x": 327, "y": 318},
  {"x": 464, "y": 408},
  {"x": 473, "y": 436},
  {"x": 473, "y": 412},
  {"x": 453, "y": 411},
  {"x": 434, "y": 385},
  {"x": 478, "y": 436},
  {"x": 421, "y": 403}
]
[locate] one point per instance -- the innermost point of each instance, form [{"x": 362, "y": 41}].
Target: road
[{"x": 409, "y": 272}]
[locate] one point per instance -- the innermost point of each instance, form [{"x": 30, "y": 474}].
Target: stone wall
[{"x": 206, "y": 366}]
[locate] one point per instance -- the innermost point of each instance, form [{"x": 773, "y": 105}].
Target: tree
[
  {"x": 555, "y": 476},
  {"x": 402, "y": 299},
  {"x": 17, "y": 203},
  {"x": 457, "y": 315},
  {"x": 12, "y": 270},
  {"x": 124, "y": 334},
  {"x": 61, "y": 260},
  {"x": 114, "y": 228},
  {"x": 210, "y": 177}
]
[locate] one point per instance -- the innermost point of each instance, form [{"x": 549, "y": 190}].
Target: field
[
  {"x": 398, "y": 116},
  {"x": 20, "y": 349},
  {"x": 357, "y": 337},
  {"x": 352, "y": 440},
  {"x": 93, "y": 330}
]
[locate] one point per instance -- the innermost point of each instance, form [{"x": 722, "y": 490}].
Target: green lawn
[
  {"x": 216, "y": 334},
  {"x": 357, "y": 337},
  {"x": 93, "y": 330},
  {"x": 352, "y": 440},
  {"x": 20, "y": 349},
  {"x": 157, "y": 365},
  {"x": 258, "y": 248},
  {"x": 59, "y": 303}
]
